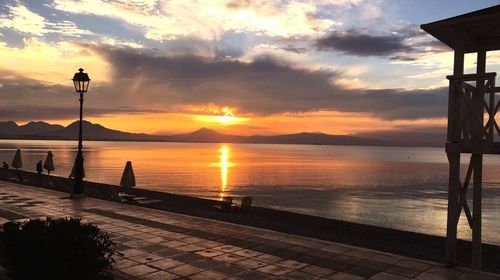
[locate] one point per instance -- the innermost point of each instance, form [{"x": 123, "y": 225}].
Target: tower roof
[{"x": 469, "y": 32}]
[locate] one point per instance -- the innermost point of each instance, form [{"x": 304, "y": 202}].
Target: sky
[{"x": 237, "y": 66}]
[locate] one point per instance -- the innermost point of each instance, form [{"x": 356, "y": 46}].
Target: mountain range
[{"x": 91, "y": 131}]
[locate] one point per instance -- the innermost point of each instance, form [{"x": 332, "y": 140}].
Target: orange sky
[{"x": 268, "y": 67}]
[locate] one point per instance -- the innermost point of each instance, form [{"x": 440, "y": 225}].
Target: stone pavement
[{"x": 154, "y": 244}]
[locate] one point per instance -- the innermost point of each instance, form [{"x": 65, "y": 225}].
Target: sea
[{"x": 397, "y": 187}]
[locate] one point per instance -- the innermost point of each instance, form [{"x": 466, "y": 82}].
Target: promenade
[{"x": 153, "y": 244}]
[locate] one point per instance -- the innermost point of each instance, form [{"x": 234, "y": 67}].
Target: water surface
[{"x": 398, "y": 187}]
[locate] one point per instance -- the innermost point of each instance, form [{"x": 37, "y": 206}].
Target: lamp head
[{"x": 81, "y": 81}]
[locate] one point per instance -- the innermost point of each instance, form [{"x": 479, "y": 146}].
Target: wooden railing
[{"x": 472, "y": 100}]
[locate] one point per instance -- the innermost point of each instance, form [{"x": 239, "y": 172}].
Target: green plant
[{"x": 55, "y": 249}]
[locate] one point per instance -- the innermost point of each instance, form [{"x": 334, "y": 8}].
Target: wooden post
[
  {"x": 478, "y": 101},
  {"x": 453, "y": 153}
]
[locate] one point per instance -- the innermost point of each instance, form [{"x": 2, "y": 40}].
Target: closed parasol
[
  {"x": 49, "y": 162},
  {"x": 72, "y": 175},
  {"x": 128, "y": 177},
  {"x": 17, "y": 162}
]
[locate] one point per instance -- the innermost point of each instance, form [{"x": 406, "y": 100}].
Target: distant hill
[
  {"x": 204, "y": 135},
  {"x": 10, "y": 128},
  {"x": 93, "y": 132},
  {"x": 42, "y": 130},
  {"x": 431, "y": 138},
  {"x": 313, "y": 138}
]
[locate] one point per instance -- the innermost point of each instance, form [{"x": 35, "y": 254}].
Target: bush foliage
[{"x": 55, "y": 249}]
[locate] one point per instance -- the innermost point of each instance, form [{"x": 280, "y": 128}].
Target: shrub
[{"x": 55, "y": 249}]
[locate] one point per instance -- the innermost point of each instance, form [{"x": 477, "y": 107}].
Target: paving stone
[
  {"x": 291, "y": 264},
  {"x": 389, "y": 259},
  {"x": 227, "y": 248},
  {"x": 139, "y": 270},
  {"x": 229, "y": 269},
  {"x": 146, "y": 258},
  {"x": 268, "y": 258},
  {"x": 253, "y": 275},
  {"x": 274, "y": 270},
  {"x": 445, "y": 272},
  {"x": 344, "y": 276},
  {"x": 174, "y": 244},
  {"x": 186, "y": 257},
  {"x": 476, "y": 276},
  {"x": 247, "y": 253},
  {"x": 165, "y": 263},
  {"x": 251, "y": 263},
  {"x": 209, "y": 253},
  {"x": 124, "y": 263},
  {"x": 208, "y": 275},
  {"x": 431, "y": 276},
  {"x": 299, "y": 275},
  {"x": 416, "y": 265},
  {"x": 206, "y": 263},
  {"x": 160, "y": 275},
  {"x": 169, "y": 252},
  {"x": 360, "y": 253},
  {"x": 189, "y": 248},
  {"x": 317, "y": 270},
  {"x": 361, "y": 271},
  {"x": 387, "y": 276},
  {"x": 228, "y": 258},
  {"x": 132, "y": 252},
  {"x": 185, "y": 270},
  {"x": 374, "y": 265},
  {"x": 402, "y": 271}
]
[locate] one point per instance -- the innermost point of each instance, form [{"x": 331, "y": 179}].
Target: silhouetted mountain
[
  {"x": 93, "y": 132},
  {"x": 204, "y": 135},
  {"x": 432, "y": 138},
  {"x": 42, "y": 130},
  {"x": 313, "y": 138},
  {"x": 31, "y": 128}
]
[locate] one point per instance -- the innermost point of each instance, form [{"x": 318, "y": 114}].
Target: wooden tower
[{"x": 472, "y": 107}]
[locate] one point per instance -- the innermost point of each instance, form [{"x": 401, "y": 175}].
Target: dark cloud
[
  {"x": 25, "y": 99},
  {"x": 145, "y": 82},
  {"x": 357, "y": 43},
  {"x": 263, "y": 87},
  {"x": 407, "y": 40}
]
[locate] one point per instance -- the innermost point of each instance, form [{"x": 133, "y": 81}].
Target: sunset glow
[{"x": 239, "y": 68}]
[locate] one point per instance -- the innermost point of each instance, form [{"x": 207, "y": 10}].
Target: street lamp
[{"x": 81, "y": 81}]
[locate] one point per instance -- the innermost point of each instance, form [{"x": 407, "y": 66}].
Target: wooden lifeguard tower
[{"x": 472, "y": 107}]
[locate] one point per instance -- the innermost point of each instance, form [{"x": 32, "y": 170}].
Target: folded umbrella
[
  {"x": 49, "y": 162},
  {"x": 128, "y": 177},
  {"x": 17, "y": 162}
]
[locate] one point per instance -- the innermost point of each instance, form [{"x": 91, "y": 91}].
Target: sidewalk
[{"x": 153, "y": 244}]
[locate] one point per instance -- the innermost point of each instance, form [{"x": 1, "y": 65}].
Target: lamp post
[{"x": 81, "y": 82}]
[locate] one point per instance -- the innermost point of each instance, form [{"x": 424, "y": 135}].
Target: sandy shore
[{"x": 405, "y": 243}]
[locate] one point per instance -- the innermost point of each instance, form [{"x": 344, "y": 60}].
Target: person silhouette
[
  {"x": 39, "y": 169},
  {"x": 5, "y": 165}
]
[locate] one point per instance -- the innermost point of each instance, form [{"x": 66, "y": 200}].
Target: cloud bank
[{"x": 144, "y": 82}]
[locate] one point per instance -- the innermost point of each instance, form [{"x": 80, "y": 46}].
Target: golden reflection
[{"x": 224, "y": 153}]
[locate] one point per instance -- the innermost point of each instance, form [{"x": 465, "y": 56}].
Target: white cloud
[
  {"x": 209, "y": 19},
  {"x": 24, "y": 20},
  {"x": 20, "y": 18}
]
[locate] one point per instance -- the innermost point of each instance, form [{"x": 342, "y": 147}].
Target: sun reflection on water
[{"x": 224, "y": 153}]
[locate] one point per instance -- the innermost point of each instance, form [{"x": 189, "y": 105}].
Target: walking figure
[{"x": 39, "y": 169}]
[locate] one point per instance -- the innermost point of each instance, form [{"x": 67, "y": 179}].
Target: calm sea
[{"x": 398, "y": 187}]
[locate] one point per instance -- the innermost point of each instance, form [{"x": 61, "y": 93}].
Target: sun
[{"x": 227, "y": 117}]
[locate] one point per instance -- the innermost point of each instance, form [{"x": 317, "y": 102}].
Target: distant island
[{"x": 39, "y": 130}]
